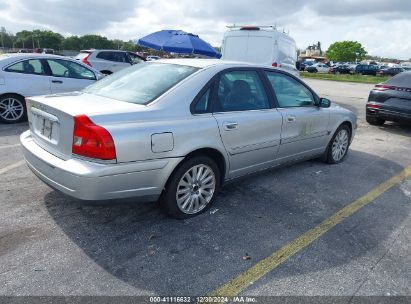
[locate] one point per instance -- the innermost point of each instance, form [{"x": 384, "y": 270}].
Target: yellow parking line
[
  {"x": 242, "y": 281},
  {"x": 11, "y": 167}
]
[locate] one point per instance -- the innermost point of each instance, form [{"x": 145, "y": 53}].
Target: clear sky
[{"x": 382, "y": 26}]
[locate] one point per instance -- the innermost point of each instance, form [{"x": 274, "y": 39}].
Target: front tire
[
  {"x": 192, "y": 187},
  {"x": 338, "y": 146},
  {"x": 12, "y": 109}
]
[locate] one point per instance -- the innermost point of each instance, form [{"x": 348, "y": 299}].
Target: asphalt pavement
[{"x": 53, "y": 245}]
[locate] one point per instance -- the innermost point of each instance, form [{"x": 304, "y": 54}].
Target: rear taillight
[
  {"x": 85, "y": 60},
  {"x": 382, "y": 87},
  {"x": 275, "y": 64},
  {"x": 91, "y": 140},
  {"x": 374, "y": 105}
]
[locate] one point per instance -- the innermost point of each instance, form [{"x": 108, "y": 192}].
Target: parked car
[
  {"x": 390, "y": 100},
  {"x": 390, "y": 71},
  {"x": 263, "y": 45},
  {"x": 109, "y": 61},
  {"x": 366, "y": 69},
  {"x": 152, "y": 57},
  {"x": 177, "y": 129},
  {"x": 318, "y": 68},
  {"x": 341, "y": 69},
  {"x": 47, "y": 51},
  {"x": 24, "y": 75}
]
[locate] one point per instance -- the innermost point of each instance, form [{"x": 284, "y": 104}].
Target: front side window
[
  {"x": 290, "y": 92},
  {"x": 241, "y": 91},
  {"x": 32, "y": 66},
  {"x": 69, "y": 69},
  {"x": 141, "y": 83}
]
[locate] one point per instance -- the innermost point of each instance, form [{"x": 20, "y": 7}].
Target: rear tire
[
  {"x": 375, "y": 121},
  {"x": 338, "y": 146},
  {"x": 12, "y": 109},
  {"x": 192, "y": 187}
]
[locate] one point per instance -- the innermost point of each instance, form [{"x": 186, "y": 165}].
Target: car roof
[
  {"x": 31, "y": 55},
  {"x": 205, "y": 63},
  {"x": 104, "y": 50}
]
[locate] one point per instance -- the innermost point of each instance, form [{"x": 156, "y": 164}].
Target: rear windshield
[
  {"x": 141, "y": 83},
  {"x": 401, "y": 80}
]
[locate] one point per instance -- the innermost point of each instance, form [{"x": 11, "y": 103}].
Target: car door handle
[
  {"x": 290, "y": 118},
  {"x": 228, "y": 126},
  {"x": 57, "y": 81}
]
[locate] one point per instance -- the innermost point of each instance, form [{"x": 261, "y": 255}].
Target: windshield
[{"x": 141, "y": 83}]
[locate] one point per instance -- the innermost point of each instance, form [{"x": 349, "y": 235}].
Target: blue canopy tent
[{"x": 178, "y": 42}]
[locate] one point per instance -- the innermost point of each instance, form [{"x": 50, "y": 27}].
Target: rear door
[
  {"x": 305, "y": 127},
  {"x": 249, "y": 127},
  {"x": 68, "y": 76},
  {"x": 28, "y": 78}
]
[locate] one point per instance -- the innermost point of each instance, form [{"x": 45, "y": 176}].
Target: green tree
[
  {"x": 96, "y": 42},
  {"x": 24, "y": 39},
  {"x": 47, "y": 39},
  {"x": 71, "y": 43},
  {"x": 345, "y": 51},
  {"x": 6, "y": 38}
]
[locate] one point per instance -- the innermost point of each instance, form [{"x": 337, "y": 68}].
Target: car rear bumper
[
  {"x": 389, "y": 115},
  {"x": 87, "y": 180}
]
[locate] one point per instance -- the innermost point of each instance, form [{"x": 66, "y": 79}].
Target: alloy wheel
[
  {"x": 11, "y": 109},
  {"x": 195, "y": 189},
  {"x": 340, "y": 145}
]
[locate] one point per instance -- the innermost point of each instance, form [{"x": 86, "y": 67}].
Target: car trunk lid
[{"x": 51, "y": 117}]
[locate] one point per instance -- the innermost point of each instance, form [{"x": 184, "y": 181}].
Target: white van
[{"x": 263, "y": 45}]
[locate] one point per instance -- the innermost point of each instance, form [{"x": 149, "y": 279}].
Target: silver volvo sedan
[{"x": 176, "y": 130}]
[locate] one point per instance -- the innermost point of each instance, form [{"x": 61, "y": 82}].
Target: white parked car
[
  {"x": 152, "y": 57},
  {"x": 24, "y": 75},
  {"x": 318, "y": 68},
  {"x": 108, "y": 61},
  {"x": 263, "y": 45}
]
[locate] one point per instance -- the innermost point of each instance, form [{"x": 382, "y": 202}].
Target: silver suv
[{"x": 108, "y": 61}]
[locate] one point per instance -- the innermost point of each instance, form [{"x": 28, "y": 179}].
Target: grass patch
[{"x": 346, "y": 77}]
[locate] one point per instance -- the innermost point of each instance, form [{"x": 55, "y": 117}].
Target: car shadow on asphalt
[
  {"x": 138, "y": 244},
  {"x": 13, "y": 129},
  {"x": 397, "y": 128}
]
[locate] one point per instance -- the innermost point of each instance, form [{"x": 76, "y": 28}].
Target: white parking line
[
  {"x": 9, "y": 146},
  {"x": 12, "y": 166}
]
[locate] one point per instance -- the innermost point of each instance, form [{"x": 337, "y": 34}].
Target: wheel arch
[
  {"x": 12, "y": 93},
  {"x": 215, "y": 154}
]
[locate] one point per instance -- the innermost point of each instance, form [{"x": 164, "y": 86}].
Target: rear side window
[
  {"x": 69, "y": 69},
  {"x": 241, "y": 91},
  {"x": 113, "y": 56},
  {"x": 32, "y": 66},
  {"x": 105, "y": 56},
  {"x": 290, "y": 92}
]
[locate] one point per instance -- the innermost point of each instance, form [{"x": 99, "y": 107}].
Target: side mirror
[{"x": 324, "y": 103}]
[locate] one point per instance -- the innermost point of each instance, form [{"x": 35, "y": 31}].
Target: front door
[{"x": 249, "y": 127}]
